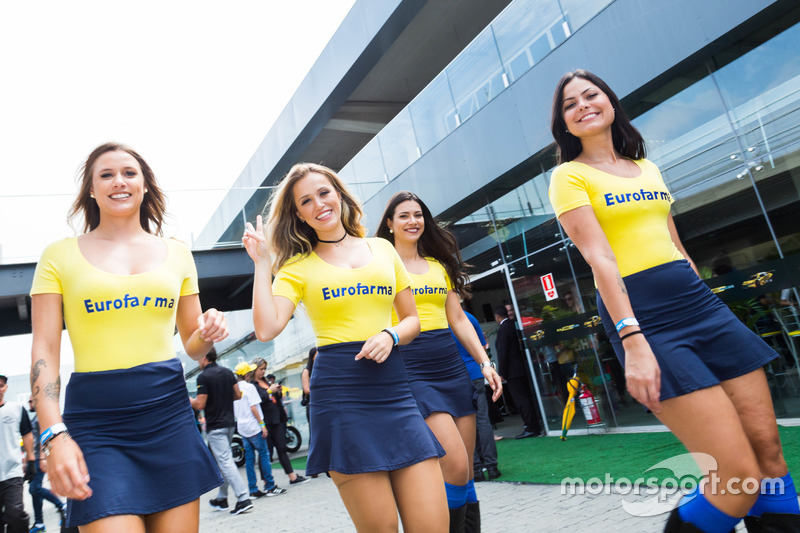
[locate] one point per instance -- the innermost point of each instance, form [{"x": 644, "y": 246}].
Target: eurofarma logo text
[{"x": 659, "y": 489}]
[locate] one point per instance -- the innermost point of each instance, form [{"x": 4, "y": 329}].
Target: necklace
[{"x": 337, "y": 242}]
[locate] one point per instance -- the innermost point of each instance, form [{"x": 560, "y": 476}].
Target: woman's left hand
[
  {"x": 495, "y": 381},
  {"x": 212, "y": 326},
  {"x": 378, "y": 347}
]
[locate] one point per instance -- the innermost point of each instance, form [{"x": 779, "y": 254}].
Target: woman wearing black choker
[{"x": 366, "y": 430}]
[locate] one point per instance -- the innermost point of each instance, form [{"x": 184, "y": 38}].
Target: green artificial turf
[
  {"x": 298, "y": 463},
  {"x": 550, "y": 460}
]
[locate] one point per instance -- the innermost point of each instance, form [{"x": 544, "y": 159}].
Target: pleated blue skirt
[
  {"x": 137, "y": 432},
  {"x": 698, "y": 342},
  {"x": 363, "y": 416},
  {"x": 439, "y": 380}
]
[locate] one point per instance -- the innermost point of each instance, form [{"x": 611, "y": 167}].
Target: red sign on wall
[{"x": 549, "y": 286}]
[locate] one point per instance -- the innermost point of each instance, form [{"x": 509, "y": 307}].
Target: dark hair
[
  {"x": 435, "y": 241},
  {"x": 5, "y": 379},
  {"x": 211, "y": 356},
  {"x": 154, "y": 204},
  {"x": 501, "y": 310},
  {"x": 627, "y": 139}
]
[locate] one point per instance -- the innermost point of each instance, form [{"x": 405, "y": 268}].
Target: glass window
[
  {"x": 526, "y": 34},
  {"x": 579, "y": 12},
  {"x": 433, "y": 113},
  {"x": 368, "y": 169},
  {"x": 399, "y": 144},
  {"x": 476, "y": 75}
]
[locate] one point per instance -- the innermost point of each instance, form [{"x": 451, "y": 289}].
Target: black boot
[
  {"x": 773, "y": 523},
  {"x": 18, "y": 525},
  {"x": 457, "y": 517},
  {"x": 752, "y": 524},
  {"x": 675, "y": 524},
  {"x": 472, "y": 521}
]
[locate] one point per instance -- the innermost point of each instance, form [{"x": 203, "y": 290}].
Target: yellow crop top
[
  {"x": 116, "y": 321},
  {"x": 345, "y": 304},
  {"x": 633, "y": 212},
  {"x": 430, "y": 294}
]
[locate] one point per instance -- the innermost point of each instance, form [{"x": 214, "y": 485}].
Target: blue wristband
[
  {"x": 52, "y": 431},
  {"x": 626, "y": 322},
  {"x": 395, "y": 336}
]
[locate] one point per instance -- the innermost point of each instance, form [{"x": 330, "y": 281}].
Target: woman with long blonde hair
[{"x": 366, "y": 430}]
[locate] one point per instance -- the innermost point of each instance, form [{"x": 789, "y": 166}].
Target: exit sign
[{"x": 549, "y": 286}]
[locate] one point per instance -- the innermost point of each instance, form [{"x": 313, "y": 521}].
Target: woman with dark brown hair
[
  {"x": 686, "y": 356},
  {"x": 121, "y": 289},
  {"x": 275, "y": 418},
  {"x": 439, "y": 380},
  {"x": 366, "y": 430}
]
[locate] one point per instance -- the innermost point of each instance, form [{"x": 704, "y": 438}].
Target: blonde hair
[{"x": 290, "y": 236}]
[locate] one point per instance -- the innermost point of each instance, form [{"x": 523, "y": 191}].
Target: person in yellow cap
[{"x": 250, "y": 426}]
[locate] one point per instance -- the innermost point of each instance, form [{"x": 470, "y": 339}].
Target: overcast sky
[{"x": 192, "y": 86}]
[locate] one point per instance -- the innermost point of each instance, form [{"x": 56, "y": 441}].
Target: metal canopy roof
[
  {"x": 379, "y": 59},
  {"x": 225, "y": 277}
]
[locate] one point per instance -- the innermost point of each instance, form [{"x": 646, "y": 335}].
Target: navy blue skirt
[
  {"x": 363, "y": 416},
  {"x": 698, "y": 342},
  {"x": 137, "y": 432},
  {"x": 439, "y": 380}
]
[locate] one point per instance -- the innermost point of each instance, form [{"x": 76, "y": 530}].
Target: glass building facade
[
  {"x": 726, "y": 136},
  {"x": 721, "y": 119},
  {"x": 727, "y": 140},
  {"x": 519, "y": 38}
]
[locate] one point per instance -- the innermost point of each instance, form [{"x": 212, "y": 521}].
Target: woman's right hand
[
  {"x": 642, "y": 373},
  {"x": 255, "y": 241},
  {"x": 67, "y": 470}
]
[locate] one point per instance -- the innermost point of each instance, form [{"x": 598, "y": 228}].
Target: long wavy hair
[
  {"x": 154, "y": 204},
  {"x": 288, "y": 234},
  {"x": 435, "y": 241},
  {"x": 627, "y": 139}
]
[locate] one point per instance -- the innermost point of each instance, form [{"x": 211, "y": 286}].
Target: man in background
[
  {"x": 14, "y": 424},
  {"x": 512, "y": 369},
  {"x": 251, "y": 427},
  {"x": 216, "y": 391},
  {"x": 485, "y": 457},
  {"x": 35, "y": 471}
]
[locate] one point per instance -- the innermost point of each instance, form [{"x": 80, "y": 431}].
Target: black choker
[{"x": 337, "y": 242}]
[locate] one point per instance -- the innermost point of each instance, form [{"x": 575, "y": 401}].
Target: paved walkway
[{"x": 505, "y": 507}]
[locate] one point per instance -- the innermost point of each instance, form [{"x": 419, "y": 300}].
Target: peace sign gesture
[{"x": 255, "y": 241}]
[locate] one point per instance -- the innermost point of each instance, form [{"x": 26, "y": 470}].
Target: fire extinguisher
[{"x": 590, "y": 411}]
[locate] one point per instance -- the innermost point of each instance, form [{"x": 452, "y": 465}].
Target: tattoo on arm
[
  {"x": 53, "y": 390},
  {"x": 36, "y": 371},
  {"x": 621, "y": 284}
]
